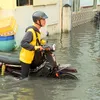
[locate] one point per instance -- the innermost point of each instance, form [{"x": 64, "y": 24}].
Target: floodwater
[{"x": 81, "y": 49}]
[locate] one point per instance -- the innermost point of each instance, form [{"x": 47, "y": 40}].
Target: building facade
[
  {"x": 22, "y": 10},
  {"x": 63, "y": 14}
]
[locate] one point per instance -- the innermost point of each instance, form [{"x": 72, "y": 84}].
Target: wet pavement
[{"x": 81, "y": 49}]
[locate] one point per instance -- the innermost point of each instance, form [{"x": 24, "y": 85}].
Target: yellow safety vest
[{"x": 27, "y": 56}]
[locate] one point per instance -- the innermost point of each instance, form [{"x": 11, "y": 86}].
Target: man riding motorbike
[{"x": 31, "y": 43}]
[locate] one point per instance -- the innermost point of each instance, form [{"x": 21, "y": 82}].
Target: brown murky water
[{"x": 81, "y": 48}]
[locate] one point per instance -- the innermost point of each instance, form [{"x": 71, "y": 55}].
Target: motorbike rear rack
[{"x": 3, "y": 67}]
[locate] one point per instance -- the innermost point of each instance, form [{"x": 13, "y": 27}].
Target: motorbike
[
  {"x": 96, "y": 19},
  {"x": 45, "y": 67}
]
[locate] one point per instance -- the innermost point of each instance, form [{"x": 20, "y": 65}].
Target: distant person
[{"x": 31, "y": 42}]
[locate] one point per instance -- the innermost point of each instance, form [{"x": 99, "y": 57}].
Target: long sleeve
[{"x": 25, "y": 43}]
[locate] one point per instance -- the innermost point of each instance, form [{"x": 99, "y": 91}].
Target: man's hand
[
  {"x": 47, "y": 49},
  {"x": 39, "y": 47}
]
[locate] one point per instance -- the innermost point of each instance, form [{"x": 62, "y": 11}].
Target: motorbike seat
[{"x": 9, "y": 59}]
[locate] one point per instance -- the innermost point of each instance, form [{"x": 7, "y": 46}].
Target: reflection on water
[
  {"x": 81, "y": 48},
  {"x": 11, "y": 89}
]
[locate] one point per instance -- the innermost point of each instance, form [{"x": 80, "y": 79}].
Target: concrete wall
[
  {"x": 44, "y": 2},
  {"x": 66, "y": 19},
  {"x": 98, "y": 7},
  {"x": 82, "y": 16},
  {"x": 8, "y": 4}
]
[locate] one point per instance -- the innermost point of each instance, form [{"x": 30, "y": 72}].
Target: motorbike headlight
[{"x": 54, "y": 47}]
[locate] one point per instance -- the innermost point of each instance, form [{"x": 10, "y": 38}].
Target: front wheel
[{"x": 68, "y": 76}]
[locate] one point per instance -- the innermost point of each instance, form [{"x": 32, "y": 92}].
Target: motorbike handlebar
[{"x": 49, "y": 48}]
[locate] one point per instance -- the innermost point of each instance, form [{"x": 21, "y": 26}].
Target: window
[
  {"x": 76, "y": 5},
  {"x": 24, "y": 2},
  {"x": 86, "y": 3},
  {"x": 94, "y": 4},
  {"x": 73, "y": 6}
]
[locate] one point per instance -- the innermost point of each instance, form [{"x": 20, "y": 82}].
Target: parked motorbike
[
  {"x": 46, "y": 67},
  {"x": 96, "y": 19}
]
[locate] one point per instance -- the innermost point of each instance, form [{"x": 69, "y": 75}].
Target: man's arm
[{"x": 25, "y": 43}]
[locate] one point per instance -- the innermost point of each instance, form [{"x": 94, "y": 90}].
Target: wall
[
  {"x": 66, "y": 25},
  {"x": 82, "y": 16},
  {"x": 98, "y": 7},
  {"x": 7, "y": 4},
  {"x": 44, "y": 2}
]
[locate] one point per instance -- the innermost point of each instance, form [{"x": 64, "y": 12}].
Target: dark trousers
[{"x": 25, "y": 70}]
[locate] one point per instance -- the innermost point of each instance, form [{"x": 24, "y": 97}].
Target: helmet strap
[{"x": 39, "y": 23}]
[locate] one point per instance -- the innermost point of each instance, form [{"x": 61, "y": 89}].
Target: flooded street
[{"x": 81, "y": 49}]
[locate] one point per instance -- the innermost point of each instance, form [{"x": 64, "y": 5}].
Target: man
[{"x": 31, "y": 42}]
